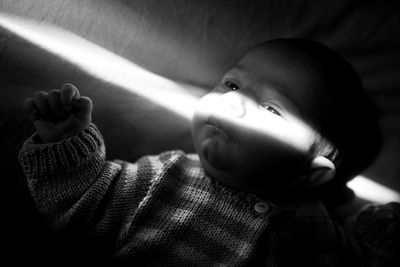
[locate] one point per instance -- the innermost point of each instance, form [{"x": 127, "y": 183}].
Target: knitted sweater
[{"x": 165, "y": 210}]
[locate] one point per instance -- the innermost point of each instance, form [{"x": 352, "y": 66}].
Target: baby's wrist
[
  {"x": 46, "y": 136},
  {"x": 55, "y": 139}
]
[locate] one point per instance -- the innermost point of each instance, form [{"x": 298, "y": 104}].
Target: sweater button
[{"x": 261, "y": 207}]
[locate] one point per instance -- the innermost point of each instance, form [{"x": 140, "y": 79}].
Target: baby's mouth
[{"x": 219, "y": 127}]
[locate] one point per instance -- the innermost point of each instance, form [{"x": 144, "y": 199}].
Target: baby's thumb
[
  {"x": 29, "y": 107},
  {"x": 82, "y": 108}
]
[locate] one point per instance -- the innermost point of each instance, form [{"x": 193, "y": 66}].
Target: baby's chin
[
  {"x": 213, "y": 155},
  {"x": 213, "y": 147}
]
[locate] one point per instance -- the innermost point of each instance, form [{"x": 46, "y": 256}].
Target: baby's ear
[{"x": 322, "y": 170}]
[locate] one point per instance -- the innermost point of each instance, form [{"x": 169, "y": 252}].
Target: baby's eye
[
  {"x": 273, "y": 110},
  {"x": 231, "y": 85}
]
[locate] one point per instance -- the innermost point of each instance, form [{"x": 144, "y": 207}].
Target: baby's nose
[{"x": 234, "y": 103}]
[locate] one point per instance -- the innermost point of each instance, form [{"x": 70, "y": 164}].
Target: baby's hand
[
  {"x": 60, "y": 113},
  {"x": 389, "y": 213},
  {"x": 379, "y": 229},
  {"x": 388, "y": 217}
]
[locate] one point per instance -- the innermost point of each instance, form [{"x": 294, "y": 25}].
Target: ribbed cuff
[{"x": 39, "y": 159}]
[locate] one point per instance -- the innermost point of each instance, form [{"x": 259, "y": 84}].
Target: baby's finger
[
  {"x": 42, "y": 104},
  {"x": 384, "y": 215},
  {"x": 83, "y": 108},
  {"x": 54, "y": 100},
  {"x": 388, "y": 213},
  {"x": 67, "y": 93},
  {"x": 395, "y": 208},
  {"x": 29, "y": 106}
]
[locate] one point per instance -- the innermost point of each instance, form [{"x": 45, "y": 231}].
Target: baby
[{"x": 288, "y": 119}]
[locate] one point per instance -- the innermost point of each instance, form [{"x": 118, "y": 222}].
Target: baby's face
[{"x": 249, "y": 131}]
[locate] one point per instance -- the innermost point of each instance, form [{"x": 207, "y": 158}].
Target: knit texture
[{"x": 164, "y": 210}]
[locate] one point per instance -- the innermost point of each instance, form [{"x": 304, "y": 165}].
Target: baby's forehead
[
  {"x": 279, "y": 72},
  {"x": 297, "y": 81},
  {"x": 265, "y": 56}
]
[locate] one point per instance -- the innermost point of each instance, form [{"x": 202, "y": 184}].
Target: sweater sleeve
[
  {"x": 69, "y": 179},
  {"x": 78, "y": 191},
  {"x": 74, "y": 187}
]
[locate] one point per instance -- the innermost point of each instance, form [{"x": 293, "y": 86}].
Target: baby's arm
[
  {"x": 64, "y": 162},
  {"x": 375, "y": 234},
  {"x": 64, "y": 157}
]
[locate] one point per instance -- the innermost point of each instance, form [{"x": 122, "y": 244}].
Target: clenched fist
[
  {"x": 59, "y": 114},
  {"x": 378, "y": 228}
]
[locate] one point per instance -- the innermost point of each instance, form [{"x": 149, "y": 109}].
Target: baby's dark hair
[{"x": 349, "y": 133}]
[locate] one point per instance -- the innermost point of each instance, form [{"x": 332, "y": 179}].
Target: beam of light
[
  {"x": 106, "y": 65},
  {"x": 373, "y": 191},
  {"x": 225, "y": 107},
  {"x": 114, "y": 69}
]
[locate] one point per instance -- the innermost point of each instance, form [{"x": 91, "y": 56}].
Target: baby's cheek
[{"x": 288, "y": 131}]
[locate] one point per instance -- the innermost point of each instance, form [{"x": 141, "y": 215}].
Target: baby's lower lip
[
  {"x": 219, "y": 127},
  {"x": 215, "y": 123}
]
